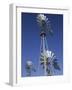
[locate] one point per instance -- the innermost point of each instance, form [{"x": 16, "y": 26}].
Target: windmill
[
  {"x": 29, "y": 67},
  {"x": 47, "y": 58}
]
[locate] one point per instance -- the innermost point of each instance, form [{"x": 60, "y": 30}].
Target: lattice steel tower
[{"x": 45, "y": 54}]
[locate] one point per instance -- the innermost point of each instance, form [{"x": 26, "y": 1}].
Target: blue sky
[{"x": 31, "y": 41}]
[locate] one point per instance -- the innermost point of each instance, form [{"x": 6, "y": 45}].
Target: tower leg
[{"x": 44, "y": 51}]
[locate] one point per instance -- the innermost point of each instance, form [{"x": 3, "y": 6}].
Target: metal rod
[{"x": 44, "y": 51}]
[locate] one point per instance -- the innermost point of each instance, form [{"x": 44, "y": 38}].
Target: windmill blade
[
  {"x": 27, "y": 67},
  {"x": 51, "y": 32},
  {"x": 55, "y": 64},
  {"x": 49, "y": 28},
  {"x": 41, "y": 61}
]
